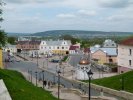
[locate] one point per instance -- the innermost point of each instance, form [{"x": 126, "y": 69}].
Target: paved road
[{"x": 24, "y": 66}]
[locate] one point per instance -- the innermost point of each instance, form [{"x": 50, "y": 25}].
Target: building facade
[
  {"x": 10, "y": 48},
  {"x": 55, "y": 47},
  {"x": 109, "y": 44},
  {"x": 104, "y": 55},
  {"x": 125, "y": 55},
  {"x": 44, "y": 47}
]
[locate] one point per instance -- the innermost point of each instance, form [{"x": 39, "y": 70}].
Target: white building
[
  {"x": 55, "y": 47},
  {"x": 109, "y": 44},
  {"x": 10, "y": 48},
  {"x": 125, "y": 55}
]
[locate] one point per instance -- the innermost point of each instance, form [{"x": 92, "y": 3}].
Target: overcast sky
[{"x": 42, "y": 15}]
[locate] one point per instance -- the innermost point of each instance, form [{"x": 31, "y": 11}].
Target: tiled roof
[
  {"x": 128, "y": 41},
  {"x": 57, "y": 42},
  {"x": 109, "y": 51},
  {"x": 73, "y": 47},
  {"x": 87, "y": 50},
  {"x": 29, "y": 42}
]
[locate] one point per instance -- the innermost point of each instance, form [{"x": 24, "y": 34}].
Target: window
[
  {"x": 62, "y": 47},
  {"x": 57, "y": 47},
  {"x": 64, "y": 42},
  {"x": 130, "y": 62},
  {"x": 41, "y": 47},
  {"x": 130, "y": 51},
  {"x": 49, "y": 47},
  {"x": 110, "y": 60}
]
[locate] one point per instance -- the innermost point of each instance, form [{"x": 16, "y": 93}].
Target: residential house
[
  {"x": 86, "y": 51},
  {"x": 10, "y": 48},
  {"x": 104, "y": 55},
  {"x": 55, "y": 46},
  {"x": 109, "y": 44},
  {"x": 44, "y": 47},
  {"x": 73, "y": 49},
  {"x": 125, "y": 55},
  {"x": 28, "y": 47}
]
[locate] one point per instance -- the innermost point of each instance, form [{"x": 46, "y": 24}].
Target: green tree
[
  {"x": 11, "y": 40},
  {"x": 3, "y": 36},
  {"x": 71, "y": 38}
]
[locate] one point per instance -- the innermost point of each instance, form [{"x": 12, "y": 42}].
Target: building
[
  {"x": 86, "y": 51},
  {"x": 44, "y": 47},
  {"x": 55, "y": 47},
  {"x": 109, "y": 44},
  {"x": 104, "y": 55},
  {"x": 29, "y": 47},
  {"x": 73, "y": 49},
  {"x": 125, "y": 55},
  {"x": 10, "y": 48}
]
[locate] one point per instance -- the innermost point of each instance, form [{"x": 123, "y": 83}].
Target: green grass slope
[
  {"x": 21, "y": 89},
  {"x": 115, "y": 82}
]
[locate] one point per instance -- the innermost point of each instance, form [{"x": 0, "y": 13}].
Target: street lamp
[
  {"x": 122, "y": 83},
  {"x": 89, "y": 73},
  {"x": 36, "y": 77},
  {"x": 43, "y": 78},
  {"x": 59, "y": 72},
  {"x": 37, "y": 58},
  {"x": 31, "y": 75}
]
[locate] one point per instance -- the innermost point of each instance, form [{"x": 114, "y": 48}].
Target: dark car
[{"x": 55, "y": 61}]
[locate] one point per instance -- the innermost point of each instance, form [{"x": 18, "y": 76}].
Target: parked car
[{"x": 55, "y": 61}]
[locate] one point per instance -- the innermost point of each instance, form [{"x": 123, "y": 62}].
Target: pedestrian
[
  {"x": 48, "y": 84},
  {"x": 44, "y": 83},
  {"x": 101, "y": 92}
]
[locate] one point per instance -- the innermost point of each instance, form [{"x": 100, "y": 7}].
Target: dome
[{"x": 84, "y": 62}]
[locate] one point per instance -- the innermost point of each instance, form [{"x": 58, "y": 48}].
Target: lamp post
[
  {"x": 122, "y": 83},
  {"x": 37, "y": 58},
  {"x": 59, "y": 72},
  {"x": 43, "y": 78},
  {"x": 36, "y": 77},
  {"x": 31, "y": 76},
  {"x": 89, "y": 73}
]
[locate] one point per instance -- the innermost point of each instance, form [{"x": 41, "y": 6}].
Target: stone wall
[
  {"x": 4, "y": 94},
  {"x": 123, "y": 94}
]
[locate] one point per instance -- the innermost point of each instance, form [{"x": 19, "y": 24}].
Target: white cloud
[
  {"x": 115, "y": 3},
  {"x": 120, "y": 18},
  {"x": 66, "y": 16},
  {"x": 87, "y": 13}
]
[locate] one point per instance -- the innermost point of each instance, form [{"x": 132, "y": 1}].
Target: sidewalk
[{"x": 54, "y": 89}]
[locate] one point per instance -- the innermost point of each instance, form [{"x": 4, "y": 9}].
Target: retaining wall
[{"x": 4, "y": 94}]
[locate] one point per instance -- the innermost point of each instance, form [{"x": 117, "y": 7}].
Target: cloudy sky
[{"x": 42, "y": 15}]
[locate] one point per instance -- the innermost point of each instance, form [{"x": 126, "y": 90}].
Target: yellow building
[{"x": 1, "y": 62}]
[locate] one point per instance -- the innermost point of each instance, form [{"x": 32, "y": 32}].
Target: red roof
[
  {"x": 73, "y": 47},
  {"x": 128, "y": 41},
  {"x": 86, "y": 50}
]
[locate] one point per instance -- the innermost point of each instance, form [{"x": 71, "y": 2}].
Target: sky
[{"x": 30, "y": 16}]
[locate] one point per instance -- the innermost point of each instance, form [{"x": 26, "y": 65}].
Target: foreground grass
[
  {"x": 115, "y": 82},
  {"x": 20, "y": 89}
]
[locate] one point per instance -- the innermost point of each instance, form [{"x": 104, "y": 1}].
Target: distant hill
[
  {"x": 80, "y": 33},
  {"x": 16, "y": 34},
  {"x": 74, "y": 33}
]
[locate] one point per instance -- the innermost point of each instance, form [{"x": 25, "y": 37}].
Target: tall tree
[{"x": 3, "y": 36}]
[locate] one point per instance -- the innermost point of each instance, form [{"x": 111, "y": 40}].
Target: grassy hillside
[
  {"x": 20, "y": 89},
  {"x": 115, "y": 82}
]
